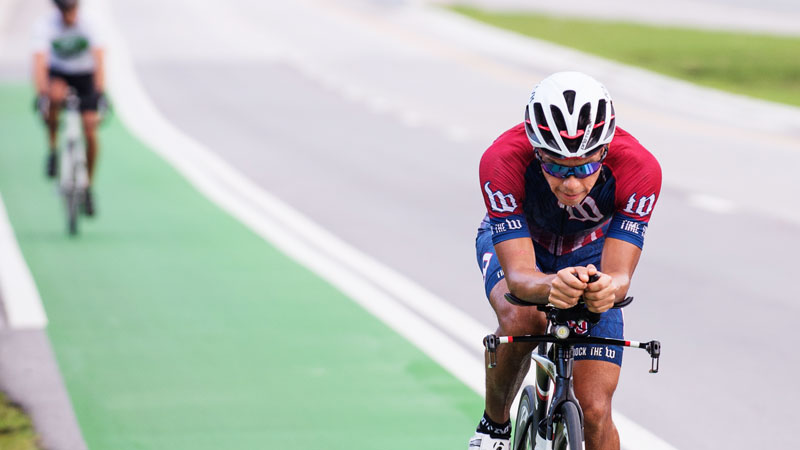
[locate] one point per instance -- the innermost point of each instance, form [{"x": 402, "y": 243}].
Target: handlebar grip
[
  {"x": 625, "y": 302},
  {"x": 514, "y": 300}
]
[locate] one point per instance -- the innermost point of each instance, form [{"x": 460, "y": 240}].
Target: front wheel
[
  {"x": 568, "y": 428},
  {"x": 72, "y": 200},
  {"x": 525, "y": 426}
]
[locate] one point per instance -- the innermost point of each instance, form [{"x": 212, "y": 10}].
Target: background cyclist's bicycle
[{"x": 73, "y": 175}]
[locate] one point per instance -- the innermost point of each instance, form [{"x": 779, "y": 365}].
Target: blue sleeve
[
  {"x": 511, "y": 227},
  {"x": 627, "y": 229}
]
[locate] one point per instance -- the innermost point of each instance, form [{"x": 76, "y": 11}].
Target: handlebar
[
  {"x": 562, "y": 333},
  {"x": 562, "y": 316},
  {"x": 41, "y": 104},
  {"x": 492, "y": 341}
]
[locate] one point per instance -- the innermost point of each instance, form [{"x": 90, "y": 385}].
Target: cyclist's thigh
[
  {"x": 57, "y": 89},
  {"x": 611, "y": 325},
  {"x": 487, "y": 260},
  {"x": 83, "y": 83}
]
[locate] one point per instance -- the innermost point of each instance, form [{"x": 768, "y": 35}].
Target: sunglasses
[{"x": 582, "y": 171}]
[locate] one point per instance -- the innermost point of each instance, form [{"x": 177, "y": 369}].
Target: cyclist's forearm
[
  {"x": 100, "y": 70},
  {"x": 532, "y": 286},
  {"x": 40, "y": 72},
  {"x": 623, "y": 281}
]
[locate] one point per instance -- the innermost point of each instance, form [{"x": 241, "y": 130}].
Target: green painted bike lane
[{"x": 171, "y": 321}]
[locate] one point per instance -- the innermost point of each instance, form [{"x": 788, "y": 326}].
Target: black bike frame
[{"x": 563, "y": 361}]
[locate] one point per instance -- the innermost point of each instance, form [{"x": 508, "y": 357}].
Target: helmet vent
[
  {"x": 541, "y": 124},
  {"x": 569, "y": 96},
  {"x": 601, "y": 113},
  {"x": 611, "y": 123}
]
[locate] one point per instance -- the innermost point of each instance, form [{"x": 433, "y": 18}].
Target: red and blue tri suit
[{"x": 520, "y": 204}]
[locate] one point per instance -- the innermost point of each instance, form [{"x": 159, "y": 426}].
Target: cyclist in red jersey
[{"x": 568, "y": 195}]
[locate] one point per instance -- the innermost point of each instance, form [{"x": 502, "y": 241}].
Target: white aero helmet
[{"x": 570, "y": 114}]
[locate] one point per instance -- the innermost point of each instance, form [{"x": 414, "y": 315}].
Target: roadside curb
[{"x": 29, "y": 375}]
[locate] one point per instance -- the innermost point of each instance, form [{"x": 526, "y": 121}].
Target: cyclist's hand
[
  {"x": 42, "y": 105},
  {"x": 600, "y": 295},
  {"x": 566, "y": 288}
]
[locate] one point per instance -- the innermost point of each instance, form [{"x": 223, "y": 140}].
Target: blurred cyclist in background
[
  {"x": 69, "y": 53},
  {"x": 568, "y": 195}
]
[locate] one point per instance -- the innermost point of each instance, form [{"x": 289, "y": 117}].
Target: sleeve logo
[
  {"x": 643, "y": 207},
  {"x": 500, "y": 202}
]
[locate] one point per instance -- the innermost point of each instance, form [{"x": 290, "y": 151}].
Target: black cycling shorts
[{"x": 83, "y": 85}]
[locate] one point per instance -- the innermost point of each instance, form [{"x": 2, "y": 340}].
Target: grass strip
[
  {"x": 761, "y": 66},
  {"x": 16, "y": 429}
]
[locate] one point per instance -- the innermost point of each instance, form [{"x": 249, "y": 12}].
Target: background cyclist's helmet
[
  {"x": 65, "y": 4},
  {"x": 569, "y": 115}
]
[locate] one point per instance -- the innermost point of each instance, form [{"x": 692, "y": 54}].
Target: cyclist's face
[
  {"x": 70, "y": 15},
  {"x": 572, "y": 190}
]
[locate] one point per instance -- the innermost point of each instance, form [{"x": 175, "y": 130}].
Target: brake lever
[
  {"x": 490, "y": 343},
  {"x": 654, "y": 349}
]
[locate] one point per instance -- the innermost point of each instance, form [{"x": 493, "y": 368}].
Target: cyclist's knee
[
  {"x": 515, "y": 320},
  {"x": 90, "y": 121},
  {"x": 57, "y": 90},
  {"x": 596, "y": 413}
]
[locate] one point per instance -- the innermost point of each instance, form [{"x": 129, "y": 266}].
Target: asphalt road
[{"x": 370, "y": 118}]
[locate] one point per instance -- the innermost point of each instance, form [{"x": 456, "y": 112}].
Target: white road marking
[
  {"x": 353, "y": 93},
  {"x": 711, "y": 203},
  {"x": 385, "y": 293},
  {"x": 411, "y": 119},
  {"x": 23, "y": 306},
  {"x": 378, "y": 104}
]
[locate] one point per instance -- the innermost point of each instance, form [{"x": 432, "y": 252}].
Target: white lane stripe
[
  {"x": 23, "y": 306},
  {"x": 343, "y": 266}
]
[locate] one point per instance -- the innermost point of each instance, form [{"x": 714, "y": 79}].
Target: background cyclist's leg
[
  {"x": 595, "y": 382},
  {"x": 57, "y": 93},
  {"x": 513, "y": 361},
  {"x": 90, "y": 120}
]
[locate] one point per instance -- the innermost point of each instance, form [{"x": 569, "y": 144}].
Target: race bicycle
[
  {"x": 73, "y": 175},
  {"x": 549, "y": 415}
]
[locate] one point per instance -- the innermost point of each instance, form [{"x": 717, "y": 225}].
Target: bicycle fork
[{"x": 549, "y": 374}]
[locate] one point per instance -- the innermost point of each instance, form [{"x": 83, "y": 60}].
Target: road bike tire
[
  {"x": 525, "y": 426},
  {"x": 72, "y": 211},
  {"x": 568, "y": 429}
]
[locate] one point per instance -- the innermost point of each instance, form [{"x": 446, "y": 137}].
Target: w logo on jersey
[
  {"x": 587, "y": 210},
  {"x": 500, "y": 202}
]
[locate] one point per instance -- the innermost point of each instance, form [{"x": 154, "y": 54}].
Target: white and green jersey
[{"x": 69, "y": 49}]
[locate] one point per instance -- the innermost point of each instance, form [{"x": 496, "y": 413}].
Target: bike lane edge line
[{"x": 23, "y": 305}]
